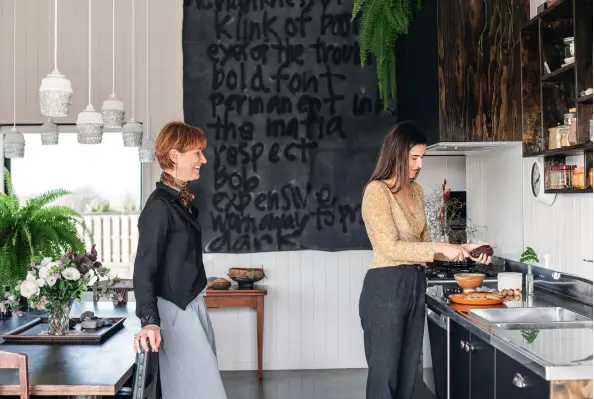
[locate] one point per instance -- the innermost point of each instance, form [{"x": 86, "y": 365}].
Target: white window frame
[{"x": 146, "y": 181}]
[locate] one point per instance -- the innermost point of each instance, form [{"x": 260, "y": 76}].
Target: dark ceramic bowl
[
  {"x": 219, "y": 285},
  {"x": 246, "y": 277}
]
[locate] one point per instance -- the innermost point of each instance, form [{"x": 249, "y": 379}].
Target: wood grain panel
[
  {"x": 532, "y": 127},
  {"x": 479, "y": 70},
  {"x": 581, "y": 389}
]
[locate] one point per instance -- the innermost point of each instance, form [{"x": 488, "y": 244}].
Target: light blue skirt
[{"x": 188, "y": 357}]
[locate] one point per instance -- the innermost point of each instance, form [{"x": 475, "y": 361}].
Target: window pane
[{"x": 105, "y": 180}]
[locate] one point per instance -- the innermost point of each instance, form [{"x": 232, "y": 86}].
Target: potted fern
[
  {"x": 381, "y": 23},
  {"x": 34, "y": 228}
]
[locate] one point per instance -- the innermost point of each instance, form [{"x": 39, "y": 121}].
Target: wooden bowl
[
  {"x": 246, "y": 277},
  {"x": 469, "y": 281}
]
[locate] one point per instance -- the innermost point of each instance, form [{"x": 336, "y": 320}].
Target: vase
[{"x": 58, "y": 314}]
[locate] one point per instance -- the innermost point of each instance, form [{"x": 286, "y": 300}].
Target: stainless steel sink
[{"x": 521, "y": 318}]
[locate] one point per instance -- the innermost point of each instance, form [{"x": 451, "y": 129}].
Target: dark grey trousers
[{"x": 392, "y": 311}]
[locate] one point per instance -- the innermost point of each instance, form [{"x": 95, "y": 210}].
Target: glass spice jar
[
  {"x": 577, "y": 179},
  {"x": 569, "y": 48},
  {"x": 563, "y": 132},
  {"x": 570, "y": 119},
  {"x": 565, "y": 176},
  {"x": 553, "y": 182}
]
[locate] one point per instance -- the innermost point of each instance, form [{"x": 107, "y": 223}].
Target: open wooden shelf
[
  {"x": 569, "y": 191},
  {"x": 584, "y": 99},
  {"x": 562, "y": 9},
  {"x": 563, "y": 151},
  {"x": 546, "y": 98},
  {"x": 559, "y": 73}
]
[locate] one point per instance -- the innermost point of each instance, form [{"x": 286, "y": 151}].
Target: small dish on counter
[
  {"x": 477, "y": 298},
  {"x": 469, "y": 281}
]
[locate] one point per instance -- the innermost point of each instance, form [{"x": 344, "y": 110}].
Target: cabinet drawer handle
[
  {"x": 462, "y": 344},
  {"x": 519, "y": 381},
  {"x": 467, "y": 347}
]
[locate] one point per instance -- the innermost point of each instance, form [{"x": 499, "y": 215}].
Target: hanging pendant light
[
  {"x": 90, "y": 126},
  {"x": 50, "y": 135},
  {"x": 89, "y": 122},
  {"x": 55, "y": 92},
  {"x": 113, "y": 108},
  {"x": 14, "y": 141},
  {"x": 146, "y": 152},
  {"x": 132, "y": 131},
  {"x": 113, "y": 112},
  {"x": 14, "y": 144}
]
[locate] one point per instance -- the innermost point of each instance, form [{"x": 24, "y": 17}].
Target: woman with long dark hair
[{"x": 392, "y": 302}]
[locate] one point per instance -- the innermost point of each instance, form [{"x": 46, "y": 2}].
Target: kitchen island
[{"x": 474, "y": 357}]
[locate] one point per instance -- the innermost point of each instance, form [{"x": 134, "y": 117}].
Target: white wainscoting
[
  {"x": 311, "y": 316},
  {"x": 499, "y": 195}
]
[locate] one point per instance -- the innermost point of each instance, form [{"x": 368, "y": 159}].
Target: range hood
[{"x": 465, "y": 147}]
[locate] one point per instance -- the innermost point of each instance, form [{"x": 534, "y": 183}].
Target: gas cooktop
[{"x": 445, "y": 272}]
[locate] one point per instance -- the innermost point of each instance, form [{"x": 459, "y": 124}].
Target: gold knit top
[{"x": 398, "y": 234}]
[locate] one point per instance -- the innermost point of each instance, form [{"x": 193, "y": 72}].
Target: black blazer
[{"x": 169, "y": 256}]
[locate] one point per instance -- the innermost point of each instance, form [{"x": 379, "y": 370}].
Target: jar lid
[
  {"x": 568, "y": 40},
  {"x": 572, "y": 110}
]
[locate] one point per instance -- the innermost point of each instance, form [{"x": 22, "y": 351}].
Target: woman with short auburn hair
[{"x": 169, "y": 276}]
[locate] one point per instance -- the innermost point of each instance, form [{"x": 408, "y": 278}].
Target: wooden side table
[
  {"x": 236, "y": 298},
  {"x": 231, "y": 298}
]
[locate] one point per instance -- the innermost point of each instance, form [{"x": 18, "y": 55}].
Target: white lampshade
[
  {"x": 90, "y": 126},
  {"x": 14, "y": 144},
  {"x": 55, "y": 95},
  {"x": 50, "y": 134},
  {"x": 132, "y": 133},
  {"x": 146, "y": 152},
  {"x": 113, "y": 112}
]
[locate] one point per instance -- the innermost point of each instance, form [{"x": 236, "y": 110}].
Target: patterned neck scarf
[{"x": 184, "y": 190}]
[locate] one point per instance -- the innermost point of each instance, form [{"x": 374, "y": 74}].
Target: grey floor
[{"x": 304, "y": 384}]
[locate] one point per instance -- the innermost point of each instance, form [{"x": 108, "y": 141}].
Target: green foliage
[
  {"x": 35, "y": 228},
  {"x": 99, "y": 205},
  {"x": 530, "y": 335},
  {"x": 382, "y": 21},
  {"x": 529, "y": 256}
]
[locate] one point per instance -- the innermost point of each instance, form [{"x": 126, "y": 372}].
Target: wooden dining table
[{"x": 90, "y": 370}]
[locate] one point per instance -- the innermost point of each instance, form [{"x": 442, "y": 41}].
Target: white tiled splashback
[{"x": 499, "y": 195}]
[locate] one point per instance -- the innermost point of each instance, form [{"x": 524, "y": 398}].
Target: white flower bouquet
[{"x": 54, "y": 285}]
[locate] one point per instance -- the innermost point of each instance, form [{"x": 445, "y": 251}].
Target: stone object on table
[
  {"x": 88, "y": 320},
  {"x": 221, "y": 284},
  {"x": 246, "y": 277}
]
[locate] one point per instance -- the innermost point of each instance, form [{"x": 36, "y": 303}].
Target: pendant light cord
[
  {"x": 14, "y": 64},
  {"x": 55, "y": 35},
  {"x": 133, "y": 57},
  {"x": 49, "y": 40},
  {"x": 90, "y": 13},
  {"x": 148, "y": 119},
  {"x": 113, "y": 48}
]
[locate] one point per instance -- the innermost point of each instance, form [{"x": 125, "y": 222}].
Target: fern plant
[
  {"x": 34, "y": 229},
  {"x": 382, "y": 21}
]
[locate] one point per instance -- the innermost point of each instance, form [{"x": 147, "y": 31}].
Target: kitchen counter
[{"x": 555, "y": 354}]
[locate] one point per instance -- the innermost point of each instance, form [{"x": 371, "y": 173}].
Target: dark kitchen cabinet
[
  {"x": 514, "y": 381},
  {"x": 459, "y": 70},
  {"x": 482, "y": 369},
  {"x": 472, "y": 365}
]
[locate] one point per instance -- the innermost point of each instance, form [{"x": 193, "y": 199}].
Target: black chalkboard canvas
[{"x": 293, "y": 122}]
